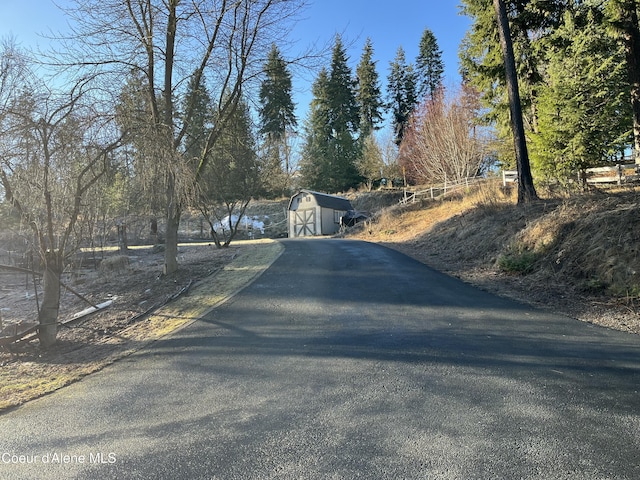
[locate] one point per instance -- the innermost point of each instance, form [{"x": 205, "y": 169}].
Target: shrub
[{"x": 517, "y": 260}]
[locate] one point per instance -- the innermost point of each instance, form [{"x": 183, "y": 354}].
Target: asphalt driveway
[{"x": 348, "y": 360}]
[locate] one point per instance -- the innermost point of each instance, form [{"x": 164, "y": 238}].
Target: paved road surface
[{"x": 347, "y": 360}]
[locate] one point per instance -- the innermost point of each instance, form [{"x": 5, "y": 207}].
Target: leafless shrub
[{"x": 443, "y": 142}]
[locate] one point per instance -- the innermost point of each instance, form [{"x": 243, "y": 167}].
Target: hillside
[{"x": 579, "y": 256}]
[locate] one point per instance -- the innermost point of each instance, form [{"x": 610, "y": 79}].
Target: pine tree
[
  {"x": 368, "y": 96},
  {"x": 584, "y": 112},
  {"x": 623, "y": 16},
  {"x": 526, "y": 189},
  {"x": 429, "y": 65},
  {"x": 277, "y": 108},
  {"x": 482, "y": 61},
  {"x": 277, "y": 119},
  {"x": 231, "y": 176},
  {"x": 198, "y": 101},
  {"x": 315, "y": 165},
  {"x": 341, "y": 88},
  {"x": 332, "y": 149},
  {"x": 401, "y": 89}
]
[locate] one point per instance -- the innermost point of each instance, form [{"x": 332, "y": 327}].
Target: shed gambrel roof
[{"x": 326, "y": 201}]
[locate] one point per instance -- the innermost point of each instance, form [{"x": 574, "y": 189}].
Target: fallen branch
[
  {"x": 182, "y": 291},
  {"x": 7, "y": 340},
  {"x": 93, "y": 305},
  {"x": 92, "y": 309},
  {"x": 17, "y": 335}
]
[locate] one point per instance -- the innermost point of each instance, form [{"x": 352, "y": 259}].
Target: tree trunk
[
  {"x": 631, "y": 36},
  {"x": 171, "y": 235},
  {"x": 123, "y": 245},
  {"x": 526, "y": 189},
  {"x": 171, "y": 242},
  {"x": 153, "y": 229},
  {"x": 48, "y": 316}
]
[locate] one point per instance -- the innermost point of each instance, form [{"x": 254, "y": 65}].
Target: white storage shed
[{"x": 314, "y": 213}]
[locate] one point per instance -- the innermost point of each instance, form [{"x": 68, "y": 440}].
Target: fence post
[{"x": 619, "y": 174}]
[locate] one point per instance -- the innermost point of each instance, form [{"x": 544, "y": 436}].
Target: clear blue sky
[{"x": 389, "y": 24}]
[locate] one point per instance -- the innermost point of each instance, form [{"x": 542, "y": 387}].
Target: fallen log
[{"x": 19, "y": 331}]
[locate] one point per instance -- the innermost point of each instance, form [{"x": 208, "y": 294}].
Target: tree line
[
  {"x": 341, "y": 150},
  {"x": 579, "y": 81}
]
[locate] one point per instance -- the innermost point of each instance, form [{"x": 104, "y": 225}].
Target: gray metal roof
[{"x": 326, "y": 201}]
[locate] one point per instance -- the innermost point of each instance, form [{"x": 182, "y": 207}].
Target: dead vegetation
[
  {"x": 577, "y": 255},
  {"x": 137, "y": 289}
]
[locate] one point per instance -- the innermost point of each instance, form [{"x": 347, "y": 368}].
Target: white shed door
[{"x": 305, "y": 222}]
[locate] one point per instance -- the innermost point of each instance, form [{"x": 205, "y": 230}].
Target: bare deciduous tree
[
  {"x": 165, "y": 43},
  {"x": 443, "y": 142},
  {"x": 371, "y": 163},
  {"x": 54, "y": 149}
]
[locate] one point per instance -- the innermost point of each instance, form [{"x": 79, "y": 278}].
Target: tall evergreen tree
[
  {"x": 277, "y": 121},
  {"x": 341, "y": 88},
  {"x": 429, "y": 65},
  {"x": 584, "y": 116},
  {"x": 623, "y": 17},
  {"x": 315, "y": 164},
  {"x": 369, "y": 96},
  {"x": 332, "y": 150},
  {"x": 277, "y": 108},
  {"x": 402, "y": 93},
  {"x": 526, "y": 189},
  {"x": 198, "y": 100},
  {"x": 482, "y": 61},
  {"x": 231, "y": 176},
  {"x": 564, "y": 94}
]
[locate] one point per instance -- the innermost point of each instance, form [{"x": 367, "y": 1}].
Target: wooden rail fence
[
  {"x": 436, "y": 191},
  {"x": 618, "y": 174}
]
